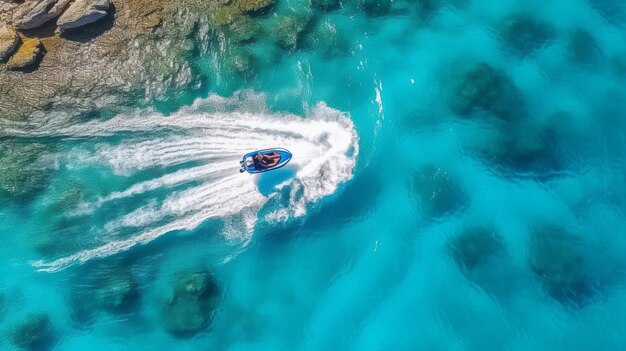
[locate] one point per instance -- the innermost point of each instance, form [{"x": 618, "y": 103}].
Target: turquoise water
[{"x": 457, "y": 184}]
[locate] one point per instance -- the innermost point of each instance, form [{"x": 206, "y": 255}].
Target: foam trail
[{"x": 203, "y": 143}]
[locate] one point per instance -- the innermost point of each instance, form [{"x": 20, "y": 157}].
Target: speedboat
[{"x": 264, "y": 160}]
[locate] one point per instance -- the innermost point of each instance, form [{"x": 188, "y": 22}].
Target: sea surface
[{"x": 458, "y": 183}]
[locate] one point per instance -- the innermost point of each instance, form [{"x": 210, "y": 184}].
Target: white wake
[{"x": 202, "y": 144}]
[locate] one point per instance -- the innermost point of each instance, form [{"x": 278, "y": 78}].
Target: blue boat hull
[{"x": 248, "y": 165}]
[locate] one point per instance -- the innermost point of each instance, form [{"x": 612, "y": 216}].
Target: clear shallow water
[{"x": 420, "y": 214}]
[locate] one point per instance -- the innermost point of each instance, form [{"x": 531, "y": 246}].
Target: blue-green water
[{"x": 457, "y": 184}]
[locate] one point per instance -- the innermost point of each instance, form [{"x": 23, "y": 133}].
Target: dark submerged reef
[
  {"x": 110, "y": 289},
  {"x": 35, "y": 332},
  {"x": 189, "y": 306},
  {"x": 524, "y": 35},
  {"x": 522, "y": 143},
  {"x": 326, "y": 5},
  {"x": 375, "y": 8},
  {"x": 583, "y": 47},
  {"x": 290, "y": 29},
  {"x": 57, "y": 233},
  {"x": 117, "y": 292},
  {"x": 438, "y": 192},
  {"x": 25, "y": 170},
  {"x": 243, "y": 63},
  {"x": 326, "y": 39},
  {"x": 525, "y": 146},
  {"x": 484, "y": 88},
  {"x": 558, "y": 261},
  {"x": 476, "y": 246},
  {"x": 612, "y": 10},
  {"x": 481, "y": 254}
]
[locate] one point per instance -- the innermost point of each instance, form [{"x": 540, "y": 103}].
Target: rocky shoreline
[
  {"x": 105, "y": 63},
  {"x": 22, "y": 51},
  {"x": 134, "y": 52}
]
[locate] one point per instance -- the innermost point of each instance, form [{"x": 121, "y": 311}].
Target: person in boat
[{"x": 266, "y": 160}]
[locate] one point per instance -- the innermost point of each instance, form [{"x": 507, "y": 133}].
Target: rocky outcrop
[
  {"x": 82, "y": 12},
  {"x": 255, "y": 6},
  {"x": 524, "y": 34},
  {"x": 475, "y": 246},
  {"x": 188, "y": 309},
  {"x": 25, "y": 172},
  {"x": 26, "y": 55},
  {"x": 35, "y": 332},
  {"x": 146, "y": 54},
  {"x": 117, "y": 292},
  {"x": 482, "y": 87},
  {"x": 8, "y": 42},
  {"x": 35, "y": 13},
  {"x": 558, "y": 261}
]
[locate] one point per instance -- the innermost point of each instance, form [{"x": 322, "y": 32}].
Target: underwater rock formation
[
  {"x": 117, "y": 292},
  {"x": 583, "y": 47},
  {"x": 83, "y": 12},
  {"x": 374, "y": 8},
  {"x": 189, "y": 307},
  {"x": 525, "y": 35},
  {"x": 557, "y": 260},
  {"x": 526, "y": 146},
  {"x": 438, "y": 192},
  {"x": 8, "y": 42},
  {"x": 255, "y": 6},
  {"x": 243, "y": 30},
  {"x": 58, "y": 233},
  {"x": 289, "y": 30},
  {"x": 35, "y": 332},
  {"x": 243, "y": 63},
  {"x": 25, "y": 171},
  {"x": 475, "y": 246},
  {"x": 325, "y": 38},
  {"x": 27, "y": 54},
  {"x": 483, "y": 87},
  {"x": 326, "y": 5}
]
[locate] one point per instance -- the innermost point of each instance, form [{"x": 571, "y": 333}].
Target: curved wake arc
[{"x": 197, "y": 154}]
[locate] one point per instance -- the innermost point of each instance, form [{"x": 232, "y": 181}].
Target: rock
[
  {"x": 244, "y": 30},
  {"x": 438, "y": 193},
  {"x": 524, "y": 146},
  {"x": 57, "y": 233},
  {"x": 117, "y": 292},
  {"x": 226, "y": 15},
  {"x": 189, "y": 308},
  {"x": 289, "y": 30},
  {"x": 244, "y": 63},
  {"x": 326, "y": 39},
  {"x": 556, "y": 258},
  {"x": 152, "y": 21},
  {"x": 27, "y": 54},
  {"x": 35, "y": 332},
  {"x": 25, "y": 172},
  {"x": 475, "y": 246},
  {"x": 36, "y": 13},
  {"x": 255, "y": 7},
  {"x": 583, "y": 47},
  {"x": 83, "y": 12},
  {"x": 326, "y": 5},
  {"x": 8, "y": 42},
  {"x": 525, "y": 35},
  {"x": 483, "y": 87},
  {"x": 375, "y": 8}
]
